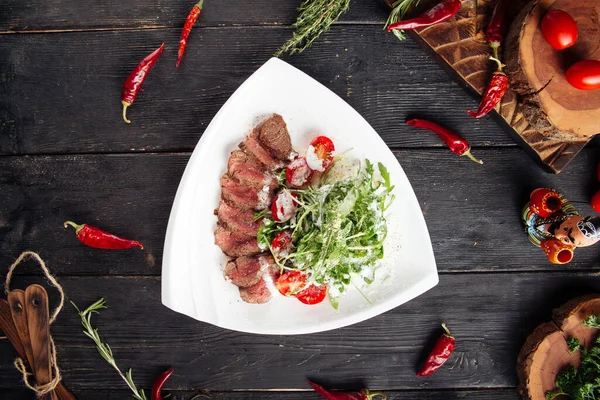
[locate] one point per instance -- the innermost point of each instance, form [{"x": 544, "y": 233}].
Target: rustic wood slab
[
  {"x": 386, "y": 86},
  {"x": 487, "y": 394},
  {"x": 490, "y": 315},
  {"x": 459, "y": 46},
  {"x": 132, "y": 194}
]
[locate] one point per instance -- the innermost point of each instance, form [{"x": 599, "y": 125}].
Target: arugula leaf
[
  {"x": 573, "y": 344},
  {"x": 338, "y": 229}
]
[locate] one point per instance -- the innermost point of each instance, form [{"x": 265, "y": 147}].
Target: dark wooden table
[{"x": 66, "y": 154}]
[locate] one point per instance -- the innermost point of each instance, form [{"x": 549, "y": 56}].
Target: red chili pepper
[
  {"x": 493, "y": 94},
  {"x": 439, "y": 13},
  {"x": 496, "y": 28},
  {"x": 439, "y": 354},
  {"x": 158, "y": 384},
  {"x": 134, "y": 81},
  {"x": 362, "y": 395},
  {"x": 187, "y": 28},
  {"x": 454, "y": 142},
  {"x": 97, "y": 238}
]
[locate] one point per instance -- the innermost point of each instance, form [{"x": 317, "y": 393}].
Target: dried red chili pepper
[
  {"x": 134, "y": 81},
  {"x": 187, "y": 28},
  {"x": 362, "y": 395},
  {"x": 454, "y": 142},
  {"x": 494, "y": 92},
  {"x": 496, "y": 28},
  {"x": 97, "y": 238},
  {"x": 439, "y": 354},
  {"x": 444, "y": 10},
  {"x": 158, "y": 384}
]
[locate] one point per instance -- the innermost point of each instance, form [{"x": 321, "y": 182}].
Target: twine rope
[{"x": 44, "y": 389}]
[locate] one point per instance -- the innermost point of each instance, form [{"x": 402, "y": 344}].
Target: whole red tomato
[
  {"x": 596, "y": 201},
  {"x": 585, "y": 75},
  {"x": 559, "y": 29}
]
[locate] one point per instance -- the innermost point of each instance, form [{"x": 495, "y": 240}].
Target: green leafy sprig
[
  {"x": 314, "y": 18},
  {"x": 581, "y": 383},
  {"x": 400, "y": 9},
  {"x": 103, "y": 348}
]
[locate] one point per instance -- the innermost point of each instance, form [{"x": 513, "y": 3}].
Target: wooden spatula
[
  {"x": 38, "y": 320},
  {"x": 16, "y": 300},
  {"x": 7, "y": 326}
]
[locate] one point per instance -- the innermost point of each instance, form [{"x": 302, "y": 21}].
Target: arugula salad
[{"x": 323, "y": 231}]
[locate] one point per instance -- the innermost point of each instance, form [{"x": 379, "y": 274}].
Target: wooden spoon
[
  {"x": 7, "y": 326},
  {"x": 16, "y": 300},
  {"x": 38, "y": 317}
]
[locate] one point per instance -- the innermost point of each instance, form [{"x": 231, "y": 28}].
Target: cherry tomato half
[
  {"x": 596, "y": 201},
  {"x": 290, "y": 282},
  {"x": 284, "y": 206},
  {"x": 313, "y": 294},
  {"x": 319, "y": 154},
  {"x": 584, "y": 75},
  {"x": 559, "y": 29},
  {"x": 282, "y": 244},
  {"x": 298, "y": 173}
]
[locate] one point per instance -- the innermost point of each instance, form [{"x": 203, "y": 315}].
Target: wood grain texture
[
  {"x": 16, "y": 300},
  {"x": 489, "y": 314},
  {"x": 57, "y": 95},
  {"x": 38, "y": 321},
  {"x": 459, "y": 45},
  {"x": 131, "y": 195},
  {"x": 37, "y": 15},
  {"x": 491, "y": 394}
]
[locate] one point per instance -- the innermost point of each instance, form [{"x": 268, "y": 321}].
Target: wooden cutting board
[{"x": 459, "y": 46}]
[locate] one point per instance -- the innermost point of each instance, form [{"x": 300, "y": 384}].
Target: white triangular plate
[{"x": 192, "y": 277}]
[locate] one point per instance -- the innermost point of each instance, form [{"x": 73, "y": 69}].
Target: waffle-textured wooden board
[{"x": 459, "y": 46}]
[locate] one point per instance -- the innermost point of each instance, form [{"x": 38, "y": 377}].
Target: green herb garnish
[
  {"x": 581, "y": 383},
  {"x": 103, "y": 348},
  {"x": 400, "y": 9},
  {"x": 314, "y": 18},
  {"x": 338, "y": 229}
]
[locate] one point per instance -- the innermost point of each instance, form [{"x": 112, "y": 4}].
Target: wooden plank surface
[
  {"x": 492, "y": 394},
  {"x": 35, "y": 15},
  {"x": 132, "y": 195},
  {"x": 489, "y": 314},
  {"x": 59, "y": 96}
]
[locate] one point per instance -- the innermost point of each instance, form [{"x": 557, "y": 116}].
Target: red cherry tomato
[
  {"x": 585, "y": 75},
  {"x": 282, "y": 244},
  {"x": 559, "y": 29},
  {"x": 319, "y": 154},
  {"x": 596, "y": 201},
  {"x": 298, "y": 172},
  {"x": 291, "y": 282},
  {"x": 284, "y": 206},
  {"x": 313, "y": 294}
]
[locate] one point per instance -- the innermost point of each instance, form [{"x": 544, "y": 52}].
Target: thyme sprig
[
  {"x": 314, "y": 18},
  {"x": 400, "y": 9},
  {"x": 103, "y": 348}
]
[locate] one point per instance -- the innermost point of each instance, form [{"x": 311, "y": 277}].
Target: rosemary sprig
[
  {"x": 400, "y": 9},
  {"x": 314, "y": 18},
  {"x": 103, "y": 348}
]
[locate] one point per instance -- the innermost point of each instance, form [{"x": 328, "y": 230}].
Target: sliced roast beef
[
  {"x": 255, "y": 149},
  {"x": 238, "y": 220},
  {"x": 243, "y": 196},
  {"x": 243, "y": 168},
  {"x": 235, "y": 244},
  {"x": 247, "y": 271},
  {"x": 274, "y": 136},
  {"x": 256, "y": 294}
]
